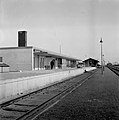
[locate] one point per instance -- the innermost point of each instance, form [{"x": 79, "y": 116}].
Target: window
[{"x": 0, "y": 59}]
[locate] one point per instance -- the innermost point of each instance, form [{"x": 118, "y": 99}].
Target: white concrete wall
[
  {"x": 11, "y": 88},
  {"x": 17, "y": 58},
  {"x": 88, "y": 68}
]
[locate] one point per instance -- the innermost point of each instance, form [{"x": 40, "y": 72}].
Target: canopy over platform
[{"x": 46, "y": 53}]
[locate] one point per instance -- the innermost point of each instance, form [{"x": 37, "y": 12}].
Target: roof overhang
[{"x": 52, "y": 54}]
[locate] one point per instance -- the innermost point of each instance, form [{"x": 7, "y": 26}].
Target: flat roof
[
  {"x": 15, "y": 47},
  {"x": 52, "y": 54},
  {"x": 43, "y": 52}
]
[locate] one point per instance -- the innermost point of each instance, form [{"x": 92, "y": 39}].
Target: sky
[{"x": 75, "y": 25}]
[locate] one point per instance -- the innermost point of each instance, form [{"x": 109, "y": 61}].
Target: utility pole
[
  {"x": 101, "y": 41},
  {"x": 60, "y": 49}
]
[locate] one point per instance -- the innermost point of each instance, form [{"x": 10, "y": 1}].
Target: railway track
[
  {"x": 28, "y": 107},
  {"x": 115, "y": 69}
]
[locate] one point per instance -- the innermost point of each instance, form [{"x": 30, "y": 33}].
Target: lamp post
[
  {"x": 101, "y": 57},
  {"x": 103, "y": 63}
]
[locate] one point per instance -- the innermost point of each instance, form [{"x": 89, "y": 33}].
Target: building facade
[
  {"x": 25, "y": 58},
  {"x": 31, "y": 58},
  {"x": 90, "y": 62}
]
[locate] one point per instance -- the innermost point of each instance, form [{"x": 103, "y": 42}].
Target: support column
[
  {"x": 34, "y": 62},
  {"x": 56, "y": 64},
  {"x": 38, "y": 63}
]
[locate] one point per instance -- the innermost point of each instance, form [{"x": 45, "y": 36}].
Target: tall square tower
[{"x": 22, "y": 38}]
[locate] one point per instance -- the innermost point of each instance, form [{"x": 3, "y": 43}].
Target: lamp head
[{"x": 101, "y": 41}]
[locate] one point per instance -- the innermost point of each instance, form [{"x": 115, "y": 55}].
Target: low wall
[{"x": 16, "y": 87}]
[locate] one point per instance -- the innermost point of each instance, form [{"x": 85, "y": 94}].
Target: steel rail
[
  {"x": 114, "y": 69},
  {"x": 39, "y": 108}
]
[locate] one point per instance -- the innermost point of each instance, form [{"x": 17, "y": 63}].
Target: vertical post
[
  {"x": 101, "y": 57},
  {"x": 38, "y": 62},
  {"x": 34, "y": 62},
  {"x": 103, "y": 63},
  {"x": 56, "y": 63},
  {"x": 60, "y": 49}
]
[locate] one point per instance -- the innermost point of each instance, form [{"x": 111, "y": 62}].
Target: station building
[
  {"x": 26, "y": 58},
  {"x": 90, "y": 62}
]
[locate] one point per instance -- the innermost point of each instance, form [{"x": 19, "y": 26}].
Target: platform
[
  {"x": 107, "y": 74},
  {"x": 15, "y": 75},
  {"x": 19, "y": 83}
]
